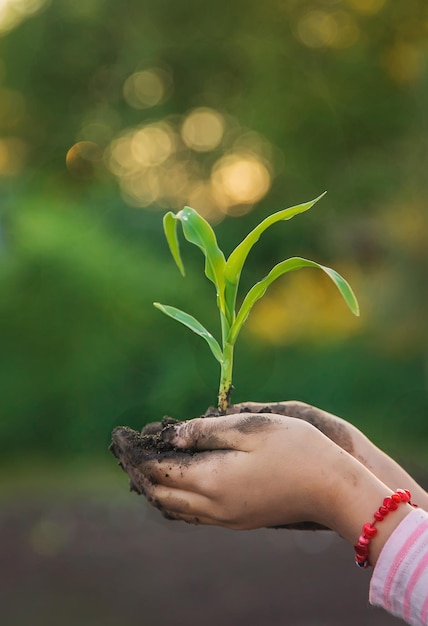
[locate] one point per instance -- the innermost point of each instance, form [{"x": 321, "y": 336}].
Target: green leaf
[
  {"x": 289, "y": 265},
  {"x": 170, "y": 229},
  {"x": 198, "y": 231},
  {"x": 193, "y": 324},
  {"x": 237, "y": 258}
]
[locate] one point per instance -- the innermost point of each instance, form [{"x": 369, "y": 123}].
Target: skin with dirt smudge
[
  {"x": 137, "y": 454},
  {"x": 249, "y": 470}
]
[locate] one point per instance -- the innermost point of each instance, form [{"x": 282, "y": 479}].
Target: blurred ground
[
  {"x": 111, "y": 115},
  {"x": 103, "y": 558}
]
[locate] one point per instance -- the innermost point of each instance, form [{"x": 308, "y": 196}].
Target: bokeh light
[
  {"x": 12, "y": 108},
  {"x": 369, "y": 7},
  {"x": 403, "y": 62},
  {"x": 203, "y": 129},
  {"x": 240, "y": 179},
  {"x": 13, "y": 12},
  {"x": 158, "y": 164},
  {"x": 13, "y": 156},
  {"x": 321, "y": 29},
  {"x": 201, "y": 198},
  {"x": 152, "y": 145},
  {"x": 303, "y": 306},
  {"x": 146, "y": 88},
  {"x": 317, "y": 28},
  {"x": 83, "y": 158}
]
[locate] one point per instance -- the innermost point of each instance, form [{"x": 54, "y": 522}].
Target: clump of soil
[
  {"x": 132, "y": 448},
  {"x": 149, "y": 439}
]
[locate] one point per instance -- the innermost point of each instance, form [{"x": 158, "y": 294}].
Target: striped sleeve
[{"x": 400, "y": 579}]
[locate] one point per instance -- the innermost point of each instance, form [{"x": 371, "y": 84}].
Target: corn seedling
[{"x": 225, "y": 274}]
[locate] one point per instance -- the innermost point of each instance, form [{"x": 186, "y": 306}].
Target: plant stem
[{"x": 225, "y": 378}]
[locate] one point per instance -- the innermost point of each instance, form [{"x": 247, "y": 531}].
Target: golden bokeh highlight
[
  {"x": 240, "y": 179},
  {"x": 83, "y": 159},
  {"x": 368, "y": 7},
  {"x": 13, "y": 156},
  {"x": 406, "y": 226},
  {"x": 146, "y": 88},
  {"x": 317, "y": 29},
  {"x": 13, "y": 12},
  {"x": 305, "y": 306},
  {"x": 118, "y": 156},
  {"x": 347, "y": 32},
  {"x": 159, "y": 165},
  {"x": 203, "y": 129},
  {"x": 403, "y": 62},
  {"x": 141, "y": 189},
  {"x": 143, "y": 147},
  {"x": 152, "y": 145},
  {"x": 97, "y": 132},
  {"x": 202, "y": 199},
  {"x": 12, "y": 108},
  {"x": 321, "y": 29}
]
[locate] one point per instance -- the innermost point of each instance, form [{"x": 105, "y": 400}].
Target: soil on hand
[{"x": 133, "y": 448}]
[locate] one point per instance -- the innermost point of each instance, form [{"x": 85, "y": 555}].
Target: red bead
[
  {"x": 363, "y": 541},
  {"x": 369, "y": 530},
  {"x": 404, "y": 495},
  {"x": 360, "y": 558}
]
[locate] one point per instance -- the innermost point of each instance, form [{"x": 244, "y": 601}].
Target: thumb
[{"x": 227, "y": 432}]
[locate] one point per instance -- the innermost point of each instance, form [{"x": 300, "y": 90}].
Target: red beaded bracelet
[{"x": 369, "y": 529}]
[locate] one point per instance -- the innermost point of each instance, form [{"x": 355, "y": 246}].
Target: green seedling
[{"x": 225, "y": 274}]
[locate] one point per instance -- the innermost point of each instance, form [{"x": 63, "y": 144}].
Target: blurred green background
[{"x": 112, "y": 113}]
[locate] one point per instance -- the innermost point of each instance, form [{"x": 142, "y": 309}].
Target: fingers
[
  {"x": 200, "y": 473},
  {"x": 154, "y": 428},
  {"x": 177, "y": 504},
  {"x": 231, "y": 432},
  {"x": 174, "y": 468},
  {"x": 204, "y": 434},
  {"x": 291, "y": 408},
  {"x": 333, "y": 427}
]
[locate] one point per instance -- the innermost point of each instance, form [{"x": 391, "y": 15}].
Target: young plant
[{"x": 225, "y": 275}]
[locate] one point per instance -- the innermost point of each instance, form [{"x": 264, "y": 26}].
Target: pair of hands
[{"x": 252, "y": 469}]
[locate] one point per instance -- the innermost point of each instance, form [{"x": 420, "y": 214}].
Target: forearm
[
  {"x": 385, "y": 468},
  {"x": 399, "y": 549},
  {"x": 358, "y": 493},
  {"x": 350, "y": 439}
]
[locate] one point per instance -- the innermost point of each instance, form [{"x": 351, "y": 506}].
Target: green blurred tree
[{"x": 309, "y": 96}]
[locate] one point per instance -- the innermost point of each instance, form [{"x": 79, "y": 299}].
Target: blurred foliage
[{"x": 111, "y": 113}]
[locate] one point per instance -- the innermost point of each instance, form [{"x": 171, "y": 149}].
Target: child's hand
[
  {"x": 347, "y": 437},
  {"x": 344, "y": 434},
  {"x": 247, "y": 471}
]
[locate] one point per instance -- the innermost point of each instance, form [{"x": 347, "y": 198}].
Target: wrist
[{"x": 358, "y": 494}]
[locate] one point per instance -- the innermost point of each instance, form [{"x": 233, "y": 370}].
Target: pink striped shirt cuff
[{"x": 400, "y": 579}]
